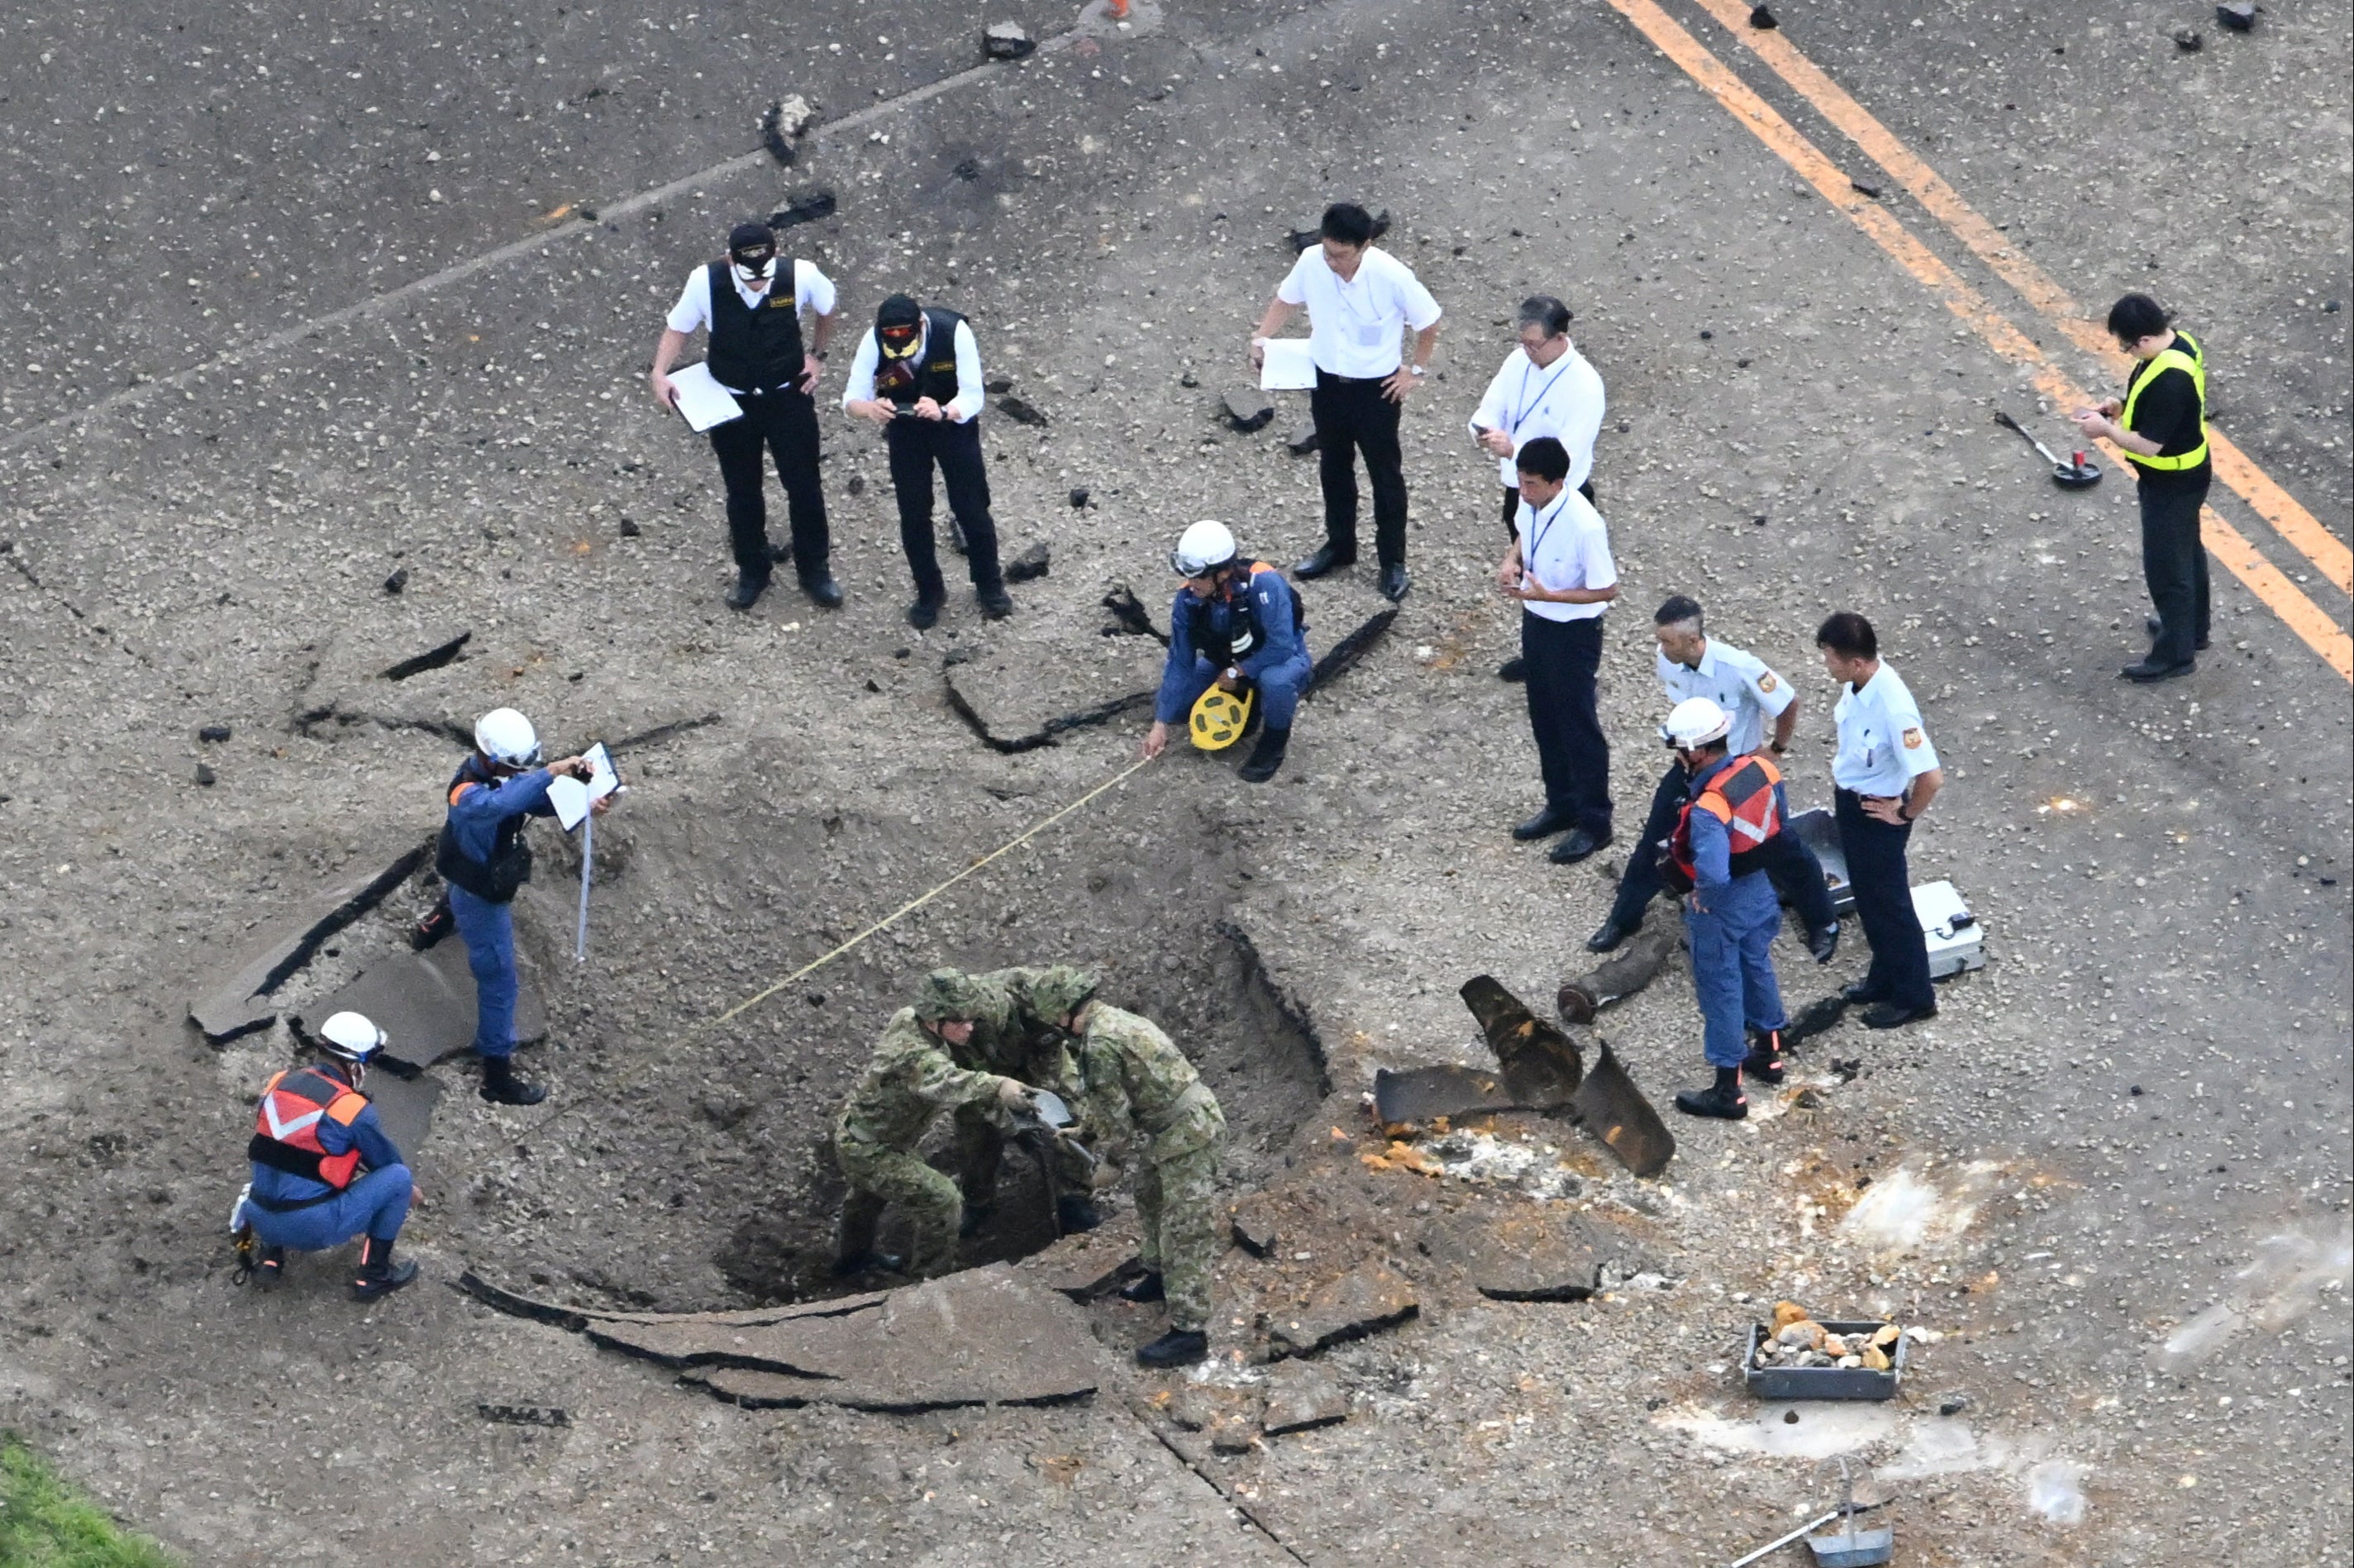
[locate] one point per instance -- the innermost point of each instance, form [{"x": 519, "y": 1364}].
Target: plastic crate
[{"x": 1824, "y": 1382}]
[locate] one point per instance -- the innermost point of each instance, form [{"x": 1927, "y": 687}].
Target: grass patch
[{"x": 43, "y": 1524}]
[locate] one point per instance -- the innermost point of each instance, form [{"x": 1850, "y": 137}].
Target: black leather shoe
[
  {"x": 995, "y": 603},
  {"x": 1612, "y": 933},
  {"x": 2151, "y": 670},
  {"x": 1395, "y": 582},
  {"x": 1576, "y": 847},
  {"x": 1859, "y": 994},
  {"x": 749, "y": 586},
  {"x": 1824, "y": 944},
  {"x": 1726, "y": 1103},
  {"x": 1177, "y": 1348},
  {"x": 1513, "y": 669},
  {"x": 823, "y": 591},
  {"x": 1149, "y": 1286},
  {"x": 869, "y": 1263},
  {"x": 1075, "y": 1213},
  {"x": 923, "y": 614},
  {"x": 1543, "y": 825},
  {"x": 779, "y": 553},
  {"x": 2152, "y": 625},
  {"x": 1890, "y": 1015},
  {"x": 1326, "y": 558}
]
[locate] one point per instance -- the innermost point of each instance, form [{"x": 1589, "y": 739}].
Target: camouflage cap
[
  {"x": 1061, "y": 989},
  {"x": 947, "y": 994}
]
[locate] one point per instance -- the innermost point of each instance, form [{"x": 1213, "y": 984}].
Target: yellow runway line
[
  {"x": 2328, "y": 554},
  {"x": 2298, "y": 612}
]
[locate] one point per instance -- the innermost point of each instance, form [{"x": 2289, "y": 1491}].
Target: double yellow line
[{"x": 2294, "y": 523}]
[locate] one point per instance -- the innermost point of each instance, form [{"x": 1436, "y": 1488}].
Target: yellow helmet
[{"x": 1220, "y": 717}]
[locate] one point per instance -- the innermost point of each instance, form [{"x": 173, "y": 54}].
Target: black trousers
[
  {"x": 2174, "y": 563},
  {"x": 1883, "y": 902},
  {"x": 1353, "y": 417},
  {"x": 1574, "y": 758},
  {"x": 1788, "y": 864},
  {"x": 1513, "y": 505},
  {"x": 784, "y": 424},
  {"x": 915, "y": 446}
]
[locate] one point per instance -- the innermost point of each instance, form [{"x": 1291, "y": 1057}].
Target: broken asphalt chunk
[
  {"x": 524, "y": 1414},
  {"x": 2240, "y": 16},
  {"x": 1635, "y": 966},
  {"x": 433, "y": 658},
  {"x": 803, "y": 207},
  {"x": 213, "y": 732},
  {"x": 1302, "y": 441},
  {"x": 1523, "y": 1252},
  {"x": 782, "y": 125},
  {"x": 1301, "y": 1397},
  {"x": 1029, "y": 566},
  {"x": 1343, "y": 655},
  {"x": 1761, "y": 19},
  {"x": 1246, "y": 409},
  {"x": 2187, "y": 40},
  {"x": 1366, "y": 1300},
  {"x": 1254, "y": 1225},
  {"x": 1020, "y": 412},
  {"x": 1130, "y": 614},
  {"x": 1006, "y": 42},
  {"x": 397, "y": 581},
  {"x": 241, "y": 1004}
]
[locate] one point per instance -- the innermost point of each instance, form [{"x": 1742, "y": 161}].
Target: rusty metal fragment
[
  {"x": 1611, "y": 1108},
  {"x": 1365, "y": 1300},
  {"x": 1635, "y": 966}
]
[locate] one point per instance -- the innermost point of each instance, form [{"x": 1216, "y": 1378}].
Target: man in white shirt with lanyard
[
  {"x": 756, "y": 353},
  {"x": 1886, "y": 773},
  {"x": 1559, "y": 568},
  {"x": 1544, "y": 388},
  {"x": 1690, "y": 663},
  {"x": 1359, "y": 298}
]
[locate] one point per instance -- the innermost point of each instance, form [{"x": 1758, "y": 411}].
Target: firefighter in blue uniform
[
  {"x": 1237, "y": 625},
  {"x": 1737, "y": 806},
  {"x": 484, "y": 859},
  {"x": 323, "y": 1171}
]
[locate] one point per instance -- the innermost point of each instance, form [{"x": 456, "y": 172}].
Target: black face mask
[{"x": 753, "y": 266}]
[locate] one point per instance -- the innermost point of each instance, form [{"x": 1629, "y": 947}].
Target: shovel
[{"x": 2076, "y": 475}]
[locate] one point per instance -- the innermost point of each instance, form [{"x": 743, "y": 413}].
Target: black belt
[
  {"x": 267, "y": 1207},
  {"x": 1324, "y": 374}
]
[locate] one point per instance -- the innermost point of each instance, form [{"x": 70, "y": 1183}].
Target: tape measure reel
[{"x": 1219, "y": 719}]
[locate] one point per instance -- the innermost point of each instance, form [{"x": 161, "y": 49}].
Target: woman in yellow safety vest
[{"x": 2160, "y": 426}]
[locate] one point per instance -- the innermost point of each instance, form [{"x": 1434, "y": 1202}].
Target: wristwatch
[
  {"x": 1777, "y": 747},
  {"x": 819, "y": 355},
  {"x": 1418, "y": 370}
]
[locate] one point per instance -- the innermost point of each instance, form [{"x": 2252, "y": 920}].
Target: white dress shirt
[
  {"x": 966, "y": 404},
  {"x": 812, "y": 292},
  {"x": 1736, "y": 681},
  {"x": 1353, "y": 327},
  {"x": 1566, "y": 547},
  {"x": 1883, "y": 747},
  {"x": 1563, "y": 400}
]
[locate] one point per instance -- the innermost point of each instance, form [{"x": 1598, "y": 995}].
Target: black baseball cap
[
  {"x": 900, "y": 311},
  {"x": 756, "y": 239}
]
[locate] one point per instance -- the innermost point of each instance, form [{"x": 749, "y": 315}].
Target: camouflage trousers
[
  {"x": 879, "y": 1176},
  {"x": 981, "y": 1150},
  {"x": 1177, "y": 1214}
]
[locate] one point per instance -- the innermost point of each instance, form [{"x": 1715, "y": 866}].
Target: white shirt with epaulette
[
  {"x": 1735, "y": 680},
  {"x": 1883, "y": 745}
]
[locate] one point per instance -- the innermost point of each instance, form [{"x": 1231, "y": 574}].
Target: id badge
[{"x": 1369, "y": 336}]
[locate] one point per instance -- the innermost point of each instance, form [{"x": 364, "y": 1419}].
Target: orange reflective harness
[
  {"x": 1740, "y": 797},
  {"x": 286, "y": 1132}
]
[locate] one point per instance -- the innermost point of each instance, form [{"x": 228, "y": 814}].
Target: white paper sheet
[
  {"x": 1287, "y": 366},
  {"x": 703, "y": 402},
  {"x": 572, "y": 799}
]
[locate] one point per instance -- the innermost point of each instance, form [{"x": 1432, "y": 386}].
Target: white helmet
[
  {"x": 351, "y": 1036},
  {"x": 506, "y": 736},
  {"x": 1695, "y": 723},
  {"x": 1202, "y": 549}
]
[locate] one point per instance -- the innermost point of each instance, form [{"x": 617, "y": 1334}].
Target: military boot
[
  {"x": 1764, "y": 1062},
  {"x": 502, "y": 1087},
  {"x": 1075, "y": 1211},
  {"x": 869, "y": 1263},
  {"x": 379, "y": 1275},
  {"x": 1149, "y": 1286},
  {"x": 1267, "y": 757},
  {"x": 1177, "y": 1348},
  {"x": 976, "y": 1219},
  {"x": 1723, "y": 1099}
]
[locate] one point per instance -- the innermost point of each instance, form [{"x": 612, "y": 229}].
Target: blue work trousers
[
  {"x": 376, "y": 1206},
  {"x": 1279, "y": 689},
  {"x": 1732, "y": 965},
  {"x": 488, "y": 930}
]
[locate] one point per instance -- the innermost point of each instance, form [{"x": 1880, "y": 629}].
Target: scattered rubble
[
  {"x": 1007, "y": 41},
  {"x": 2240, "y": 16},
  {"x": 783, "y": 124},
  {"x": 805, "y": 206},
  {"x": 1129, "y": 617},
  {"x": 1301, "y": 1397},
  {"x": 524, "y": 1415},
  {"x": 1247, "y": 409},
  {"x": 1254, "y": 1225},
  {"x": 1526, "y": 1254},
  {"x": 1365, "y": 1300},
  {"x": 1020, "y": 412},
  {"x": 1029, "y": 566}
]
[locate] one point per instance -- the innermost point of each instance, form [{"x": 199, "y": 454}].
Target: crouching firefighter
[
  {"x": 323, "y": 1171},
  {"x": 1237, "y": 627},
  {"x": 1718, "y": 856},
  {"x": 484, "y": 859}
]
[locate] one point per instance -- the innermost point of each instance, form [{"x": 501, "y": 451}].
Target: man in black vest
[
  {"x": 750, "y": 301},
  {"x": 917, "y": 375}
]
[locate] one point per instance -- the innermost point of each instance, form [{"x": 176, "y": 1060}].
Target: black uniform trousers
[
  {"x": 1883, "y": 902},
  {"x": 2174, "y": 562},
  {"x": 1785, "y": 860},
  {"x": 1562, "y": 658},
  {"x": 784, "y": 423},
  {"x": 1353, "y": 417},
  {"x": 916, "y": 445}
]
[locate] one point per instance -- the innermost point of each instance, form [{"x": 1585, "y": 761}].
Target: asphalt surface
[{"x": 2133, "y": 1125}]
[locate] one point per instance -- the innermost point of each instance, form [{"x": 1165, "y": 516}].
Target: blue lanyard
[
  {"x": 1529, "y": 408},
  {"x": 1537, "y": 534}
]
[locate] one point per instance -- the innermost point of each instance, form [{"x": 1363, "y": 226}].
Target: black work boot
[
  {"x": 432, "y": 925},
  {"x": 379, "y": 1275},
  {"x": 1722, "y": 1099},
  {"x": 869, "y": 1263},
  {"x": 1764, "y": 1062},
  {"x": 1267, "y": 757},
  {"x": 1075, "y": 1211},
  {"x": 749, "y": 586},
  {"x": 502, "y": 1087},
  {"x": 1177, "y": 1348},
  {"x": 270, "y": 1269},
  {"x": 1149, "y": 1286}
]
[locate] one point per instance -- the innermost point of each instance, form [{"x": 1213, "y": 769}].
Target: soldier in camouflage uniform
[
  {"x": 1010, "y": 1035},
  {"x": 914, "y": 1076},
  {"x": 1132, "y": 1081}
]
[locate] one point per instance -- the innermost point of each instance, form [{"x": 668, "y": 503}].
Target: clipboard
[
  {"x": 1286, "y": 365},
  {"x": 572, "y": 799},
  {"x": 700, "y": 401}
]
